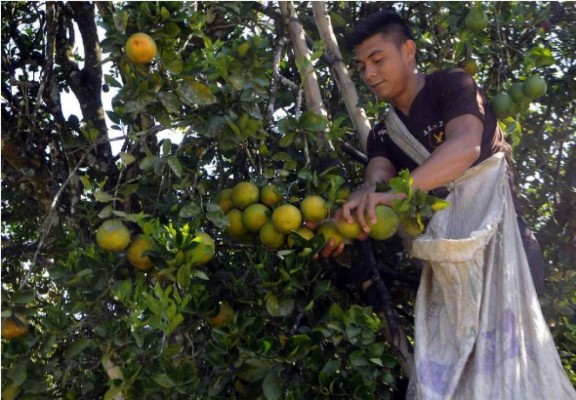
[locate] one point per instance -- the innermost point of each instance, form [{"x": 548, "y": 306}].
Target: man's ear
[{"x": 410, "y": 50}]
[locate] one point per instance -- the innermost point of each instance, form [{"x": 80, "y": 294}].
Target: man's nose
[{"x": 369, "y": 72}]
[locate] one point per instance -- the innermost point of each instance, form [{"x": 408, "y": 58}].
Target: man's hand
[
  {"x": 363, "y": 206},
  {"x": 330, "y": 249}
]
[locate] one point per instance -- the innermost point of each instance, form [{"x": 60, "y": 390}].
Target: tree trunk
[
  {"x": 341, "y": 74},
  {"x": 312, "y": 93}
]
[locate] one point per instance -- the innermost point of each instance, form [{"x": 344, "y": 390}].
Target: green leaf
[
  {"x": 175, "y": 322},
  {"x": 287, "y": 139},
  {"x": 120, "y": 20},
  {"x": 194, "y": 93},
  {"x": 287, "y": 124},
  {"x": 183, "y": 276},
  {"x": 253, "y": 370},
  {"x": 77, "y": 347},
  {"x": 272, "y": 386},
  {"x": 170, "y": 101},
  {"x": 279, "y": 308},
  {"x": 164, "y": 380},
  {"x": 18, "y": 374},
  {"x": 357, "y": 359},
  {"x": 122, "y": 290},
  {"x": 175, "y": 165},
  {"x": 24, "y": 296},
  {"x": 111, "y": 81},
  {"x": 538, "y": 57},
  {"x": 171, "y": 29},
  {"x": 112, "y": 393},
  {"x": 313, "y": 122}
]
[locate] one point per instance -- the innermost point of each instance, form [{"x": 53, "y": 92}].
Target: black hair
[{"x": 386, "y": 22}]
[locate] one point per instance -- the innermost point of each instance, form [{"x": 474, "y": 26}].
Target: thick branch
[
  {"x": 312, "y": 92},
  {"x": 375, "y": 293},
  {"x": 86, "y": 83},
  {"x": 341, "y": 74}
]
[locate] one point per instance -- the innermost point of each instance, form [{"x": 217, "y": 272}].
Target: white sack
[{"x": 479, "y": 332}]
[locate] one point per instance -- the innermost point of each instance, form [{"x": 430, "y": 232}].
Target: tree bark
[
  {"x": 86, "y": 83},
  {"x": 341, "y": 74},
  {"x": 312, "y": 94}
]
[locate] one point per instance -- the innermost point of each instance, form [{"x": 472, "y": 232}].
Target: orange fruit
[
  {"x": 224, "y": 199},
  {"x": 304, "y": 232},
  {"x": 329, "y": 230},
  {"x": 270, "y": 237},
  {"x": 135, "y": 253},
  {"x": 13, "y": 328},
  {"x": 516, "y": 92},
  {"x": 224, "y": 317},
  {"x": 204, "y": 251},
  {"x": 269, "y": 195},
  {"x": 471, "y": 67},
  {"x": 348, "y": 230},
  {"x": 140, "y": 48},
  {"x": 535, "y": 86},
  {"x": 113, "y": 235},
  {"x": 503, "y": 106},
  {"x": 286, "y": 218},
  {"x": 386, "y": 224},
  {"x": 244, "y": 194},
  {"x": 314, "y": 208},
  {"x": 236, "y": 227},
  {"x": 254, "y": 216}
]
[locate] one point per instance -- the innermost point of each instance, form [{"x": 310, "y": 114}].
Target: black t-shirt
[{"x": 446, "y": 95}]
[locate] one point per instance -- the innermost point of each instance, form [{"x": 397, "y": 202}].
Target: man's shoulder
[{"x": 446, "y": 74}]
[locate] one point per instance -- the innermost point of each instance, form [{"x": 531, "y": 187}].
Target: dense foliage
[{"x": 227, "y": 86}]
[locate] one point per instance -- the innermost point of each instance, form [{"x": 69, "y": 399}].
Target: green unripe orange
[
  {"x": 314, "y": 208},
  {"x": 286, "y": 218},
  {"x": 386, "y": 224},
  {"x": 244, "y": 194},
  {"x": 270, "y": 237},
  {"x": 535, "y": 86},
  {"x": 255, "y": 216}
]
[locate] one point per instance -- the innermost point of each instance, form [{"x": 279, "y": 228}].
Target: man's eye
[{"x": 378, "y": 60}]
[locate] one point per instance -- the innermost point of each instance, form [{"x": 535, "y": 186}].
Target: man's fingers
[
  {"x": 338, "y": 250},
  {"x": 328, "y": 249}
]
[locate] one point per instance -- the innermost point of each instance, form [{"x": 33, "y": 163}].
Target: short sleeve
[
  {"x": 458, "y": 94},
  {"x": 376, "y": 145}
]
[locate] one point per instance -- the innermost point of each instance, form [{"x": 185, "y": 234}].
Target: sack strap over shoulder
[{"x": 402, "y": 137}]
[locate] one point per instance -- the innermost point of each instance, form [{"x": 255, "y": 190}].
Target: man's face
[{"x": 384, "y": 66}]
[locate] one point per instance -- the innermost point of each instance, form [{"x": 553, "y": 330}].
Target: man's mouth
[{"x": 374, "y": 86}]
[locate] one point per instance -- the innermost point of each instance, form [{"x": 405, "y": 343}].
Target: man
[{"x": 479, "y": 331}]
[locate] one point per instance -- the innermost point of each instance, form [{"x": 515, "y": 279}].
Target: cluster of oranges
[
  {"x": 114, "y": 236},
  {"x": 263, "y": 214},
  {"x": 519, "y": 96}
]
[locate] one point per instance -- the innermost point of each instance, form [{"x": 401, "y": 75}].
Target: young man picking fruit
[{"x": 479, "y": 331}]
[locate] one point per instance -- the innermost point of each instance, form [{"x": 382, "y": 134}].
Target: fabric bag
[
  {"x": 480, "y": 333},
  {"x": 479, "y": 329}
]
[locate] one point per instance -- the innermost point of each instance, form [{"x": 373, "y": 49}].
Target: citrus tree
[{"x": 160, "y": 241}]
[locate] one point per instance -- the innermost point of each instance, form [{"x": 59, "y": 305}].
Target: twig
[{"x": 47, "y": 225}]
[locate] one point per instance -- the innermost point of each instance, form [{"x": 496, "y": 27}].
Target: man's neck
[{"x": 404, "y": 102}]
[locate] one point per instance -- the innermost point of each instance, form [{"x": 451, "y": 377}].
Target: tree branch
[
  {"x": 375, "y": 293},
  {"x": 341, "y": 74},
  {"x": 312, "y": 93}
]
